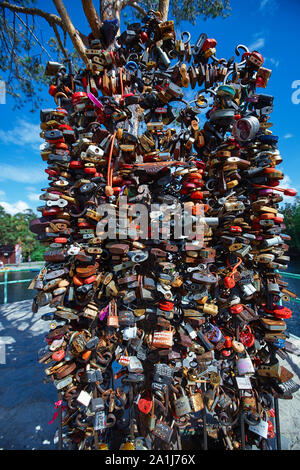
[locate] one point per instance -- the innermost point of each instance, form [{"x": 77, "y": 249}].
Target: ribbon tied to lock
[{"x": 57, "y": 404}]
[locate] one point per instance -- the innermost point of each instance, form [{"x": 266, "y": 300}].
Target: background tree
[
  {"x": 7, "y": 236},
  {"x": 24, "y": 50},
  {"x": 15, "y": 229},
  {"x": 291, "y": 214}
]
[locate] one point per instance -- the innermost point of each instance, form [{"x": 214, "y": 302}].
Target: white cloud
[
  {"x": 2, "y": 193},
  {"x": 23, "y": 134},
  {"x": 33, "y": 196},
  {"x": 274, "y": 62},
  {"x": 288, "y": 136},
  {"x": 30, "y": 188},
  {"x": 286, "y": 183},
  {"x": 257, "y": 44},
  {"x": 267, "y": 5},
  {"x": 263, "y": 3},
  {"x": 21, "y": 174},
  {"x": 14, "y": 208}
]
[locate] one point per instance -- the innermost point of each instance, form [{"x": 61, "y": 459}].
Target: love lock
[
  {"x": 180, "y": 309},
  {"x": 181, "y": 404},
  {"x": 137, "y": 256}
]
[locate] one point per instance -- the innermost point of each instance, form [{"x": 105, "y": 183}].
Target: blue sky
[{"x": 269, "y": 26}]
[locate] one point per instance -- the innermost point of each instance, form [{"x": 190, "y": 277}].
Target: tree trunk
[
  {"x": 92, "y": 16},
  {"x": 163, "y": 7},
  {"x": 73, "y": 33}
]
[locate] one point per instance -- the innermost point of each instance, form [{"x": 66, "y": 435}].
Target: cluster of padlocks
[{"x": 156, "y": 335}]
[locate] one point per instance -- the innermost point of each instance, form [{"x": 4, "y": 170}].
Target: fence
[{"x": 33, "y": 267}]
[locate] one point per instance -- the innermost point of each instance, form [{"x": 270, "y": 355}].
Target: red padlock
[
  {"x": 60, "y": 240},
  {"x": 62, "y": 146},
  {"x": 90, "y": 170},
  {"x": 58, "y": 355},
  {"x": 271, "y": 433},
  {"x": 229, "y": 282},
  {"x": 228, "y": 342},
  {"x": 235, "y": 229},
  {"x": 236, "y": 309},
  {"x": 145, "y": 403},
  {"x": 51, "y": 172},
  {"x": 79, "y": 97},
  {"x": 144, "y": 36},
  {"x": 89, "y": 280},
  {"x": 247, "y": 338},
  {"x": 52, "y": 90},
  {"x": 166, "y": 306},
  {"x": 197, "y": 195},
  {"x": 279, "y": 311},
  {"x": 74, "y": 164},
  {"x": 209, "y": 44},
  {"x": 271, "y": 413},
  {"x": 255, "y": 59}
]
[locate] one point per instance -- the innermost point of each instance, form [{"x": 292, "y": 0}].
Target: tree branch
[
  {"x": 135, "y": 5},
  {"x": 59, "y": 41},
  {"x": 32, "y": 33},
  {"x": 92, "y": 16},
  {"x": 52, "y": 20},
  {"x": 49, "y": 17},
  {"x": 73, "y": 33}
]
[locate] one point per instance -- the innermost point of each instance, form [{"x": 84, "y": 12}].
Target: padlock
[
  {"x": 196, "y": 400},
  {"x": 112, "y": 318},
  {"x": 163, "y": 431},
  {"x": 245, "y": 366},
  {"x": 181, "y": 404},
  {"x": 162, "y": 339}
]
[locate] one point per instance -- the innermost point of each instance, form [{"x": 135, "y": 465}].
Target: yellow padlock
[
  {"x": 127, "y": 446},
  {"x": 103, "y": 446},
  {"x": 185, "y": 79},
  {"x": 232, "y": 184}
]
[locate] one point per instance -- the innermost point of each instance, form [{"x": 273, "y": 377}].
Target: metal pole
[
  {"x": 242, "y": 422},
  {"x": 60, "y": 421},
  {"x": 277, "y": 423},
  {"x": 205, "y": 447},
  {"x": 5, "y": 287},
  {"x": 96, "y": 437},
  {"x": 204, "y": 430}
]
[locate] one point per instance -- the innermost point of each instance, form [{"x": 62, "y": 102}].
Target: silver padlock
[
  {"x": 94, "y": 151},
  {"x": 248, "y": 289},
  {"x": 129, "y": 332},
  {"x": 182, "y": 405},
  {"x": 245, "y": 366}
]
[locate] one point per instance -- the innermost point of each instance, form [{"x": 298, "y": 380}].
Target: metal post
[
  {"x": 205, "y": 446},
  {"x": 5, "y": 287},
  {"x": 96, "y": 437},
  {"x": 242, "y": 422},
  {"x": 277, "y": 423},
  {"x": 60, "y": 421},
  {"x": 204, "y": 429}
]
